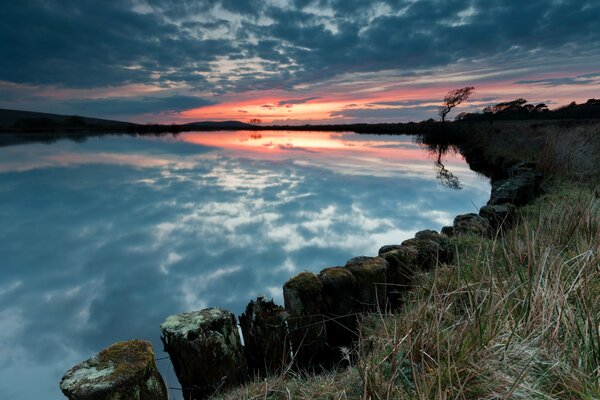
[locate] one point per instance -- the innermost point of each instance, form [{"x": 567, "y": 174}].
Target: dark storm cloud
[{"x": 94, "y": 43}]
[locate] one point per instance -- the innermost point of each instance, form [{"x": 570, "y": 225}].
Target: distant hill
[
  {"x": 217, "y": 125},
  {"x": 27, "y": 120}
]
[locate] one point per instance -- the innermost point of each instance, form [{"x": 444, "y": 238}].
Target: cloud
[
  {"x": 387, "y": 114},
  {"x": 93, "y": 43},
  {"x": 585, "y": 79},
  {"x": 136, "y": 105},
  {"x": 296, "y": 101}
]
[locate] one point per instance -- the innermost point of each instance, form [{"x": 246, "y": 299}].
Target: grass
[{"x": 516, "y": 317}]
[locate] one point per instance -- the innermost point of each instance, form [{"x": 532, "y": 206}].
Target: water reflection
[{"x": 101, "y": 240}]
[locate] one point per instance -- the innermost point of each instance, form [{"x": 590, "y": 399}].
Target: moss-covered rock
[
  {"x": 205, "y": 349},
  {"x": 499, "y": 216},
  {"x": 125, "y": 370},
  {"x": 340, "y": 294},
  {"x": 472, "y": 224},
  {"x": 432, "y": 249},
  {"x": 403, "y": 262},
  {"x": 387, "y": 248},
  {"x": 266, "y": 337},
  {"x": 371, "y": 275},
  {"x": 303, "y": 299}
]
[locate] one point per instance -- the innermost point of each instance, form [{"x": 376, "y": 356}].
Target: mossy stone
[
  {"x": 340, "y": 295},
  {"x": 371, "y": 275},
  {"x": 387, "y": 248},
  {"x": 472, "y": 224},
  {"x": 403, "y": 262},
  {"x": 125, "y": 370}
]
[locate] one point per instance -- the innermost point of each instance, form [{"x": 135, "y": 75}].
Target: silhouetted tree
[
  {"x": 255, "y": 121},
  {"x": 454, "y": 98}
]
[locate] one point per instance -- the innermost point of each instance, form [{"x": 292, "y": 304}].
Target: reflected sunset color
[{"x": 103, "y": 239}]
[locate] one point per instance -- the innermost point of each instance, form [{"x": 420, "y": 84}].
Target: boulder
[
  {"x": 303, "y": 299},
  {"x": 340, "y": 296},
  {"x": 387, "y": 248},
  {"x": 266, "y": 337},
  {"x": 402, "y": 266},
  {"x": 471, "y": 224},
  {"x": 448, "y": 231},
  {"x": 205, "y": 350},
  {"x": 125, "y": 370},
  {"x": 521, "y": 186},
  {"x": 371, "y": 275},
  {"x": 499, "y": 216},
  {"x": 432, "y": 249}
]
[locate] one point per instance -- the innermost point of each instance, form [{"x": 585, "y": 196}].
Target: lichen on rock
[{"x": 121, "y": 371}]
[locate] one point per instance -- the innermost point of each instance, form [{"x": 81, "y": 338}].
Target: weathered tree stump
[
  {"x": 266, "y": 337},
  {"x": 125, "y": 370},
  {"x": 400, "y": 274},
  {"x": 340, "y": 294},
  {"x": 206, "y": 352},
  {"x": 303, "y": 298},
  {"x": 371, "y": 275}
]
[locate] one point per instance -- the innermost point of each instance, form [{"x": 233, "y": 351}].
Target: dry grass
[{"x": 517, "y": 318}]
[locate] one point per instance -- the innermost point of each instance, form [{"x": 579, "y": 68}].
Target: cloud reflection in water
[{"x": 102, "y": 240}]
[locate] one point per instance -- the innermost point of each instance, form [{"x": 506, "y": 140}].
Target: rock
[
  {"x": 402, "y": 266},
  {"x": 371, "y": 275},
  {"x": 448, "y": 231},
  {"x": 432, "y": 249},
  {"x": 498, "y": 215},
  {"x": 125, "y": 370},
  {"x": 388, "y": 248},
  {"x": 471, "y": 224},
  {"x": 303, "y": 298},
  {"x": 266, "y": 337},
  {"x": 340, "y": 294},
  {"x": 427, "y": 234},
  {"x": 206, "y": 352},
  {"x": 521, "y": 186}
]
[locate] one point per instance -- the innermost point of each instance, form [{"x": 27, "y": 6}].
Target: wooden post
[
  {"x": 303, "y": 298},
  {"x": 371, "y": 275},
  {"x": 206, "y": 352},
  {"x": 340, "y": 296},
  {"x": 266, "y": 338}
]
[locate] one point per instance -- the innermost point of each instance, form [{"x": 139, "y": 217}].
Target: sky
[{"x": 292, "y": 61}]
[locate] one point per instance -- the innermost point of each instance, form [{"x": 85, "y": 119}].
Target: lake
[{"x": 102, "y": 239}]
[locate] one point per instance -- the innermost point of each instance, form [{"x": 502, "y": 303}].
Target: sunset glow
[{"x": 294, "y": 62}]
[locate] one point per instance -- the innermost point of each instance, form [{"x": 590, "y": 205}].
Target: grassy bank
[{"x": 516, "y": 317}]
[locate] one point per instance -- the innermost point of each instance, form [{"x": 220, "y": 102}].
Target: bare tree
[{"x": 454, "y": 98}]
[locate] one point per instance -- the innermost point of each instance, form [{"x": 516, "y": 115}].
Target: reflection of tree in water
[
  {"x": 446, "y": 177},
  {"x": 443, "y": 175}
]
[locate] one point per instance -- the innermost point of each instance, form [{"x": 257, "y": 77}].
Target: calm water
[{"x": 100, "y": 241}]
